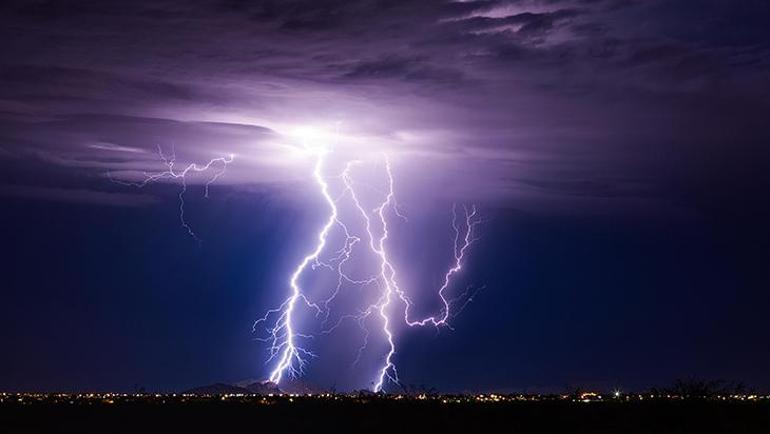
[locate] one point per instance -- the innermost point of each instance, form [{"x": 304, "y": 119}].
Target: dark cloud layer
[{"x": 591, "y": 93}]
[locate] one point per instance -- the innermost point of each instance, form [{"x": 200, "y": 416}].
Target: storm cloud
[{"x": 561, "y": 104}]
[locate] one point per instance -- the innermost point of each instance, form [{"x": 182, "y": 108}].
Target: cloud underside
[{"x": 557, "y": 101}]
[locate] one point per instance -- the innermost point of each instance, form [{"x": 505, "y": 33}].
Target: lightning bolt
[
  {"x": 219, "y": 164},
  {"x": 282, "y": 336},
  {"x": 388, "y": 271},
  {"x": 285, "y": 340},
  {"x": 460, "y": 248}
]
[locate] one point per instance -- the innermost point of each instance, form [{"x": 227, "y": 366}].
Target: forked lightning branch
[{"x": 288, "y": 352}]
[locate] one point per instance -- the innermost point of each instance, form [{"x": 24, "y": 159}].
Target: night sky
[{"x": 617, "y": 151}]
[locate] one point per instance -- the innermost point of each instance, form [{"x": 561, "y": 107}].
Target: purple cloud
[{"x": 524, "y": 101}]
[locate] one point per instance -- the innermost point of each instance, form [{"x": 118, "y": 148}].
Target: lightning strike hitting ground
[
  {"x": 282, "y": 334},
  {"x": 285, "y": 341}
]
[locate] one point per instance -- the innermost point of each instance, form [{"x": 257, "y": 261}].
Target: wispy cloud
[
  {"x": 84, "y": 196},
  {"x": 596, "y": 88},
  {"x": 107, "y": 146}
]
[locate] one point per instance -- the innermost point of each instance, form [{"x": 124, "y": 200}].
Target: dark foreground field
[{"x": 256, "y": 415}]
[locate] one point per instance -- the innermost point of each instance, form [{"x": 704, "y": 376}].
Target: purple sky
[{"x": 558, "y": 112}]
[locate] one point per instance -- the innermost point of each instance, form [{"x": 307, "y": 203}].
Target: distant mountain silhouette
[
  {"x": 256, "y": 388},
  {"x": 217, "y": 389}
]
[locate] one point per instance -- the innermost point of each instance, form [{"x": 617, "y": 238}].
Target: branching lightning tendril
[
  {"x": 218, "y": 165},
  {"x": 283, "y": 338},
  {"x": 285, "y": 342}
]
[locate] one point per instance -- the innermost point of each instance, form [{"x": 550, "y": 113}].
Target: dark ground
[{"x": 319, "y": 415}]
